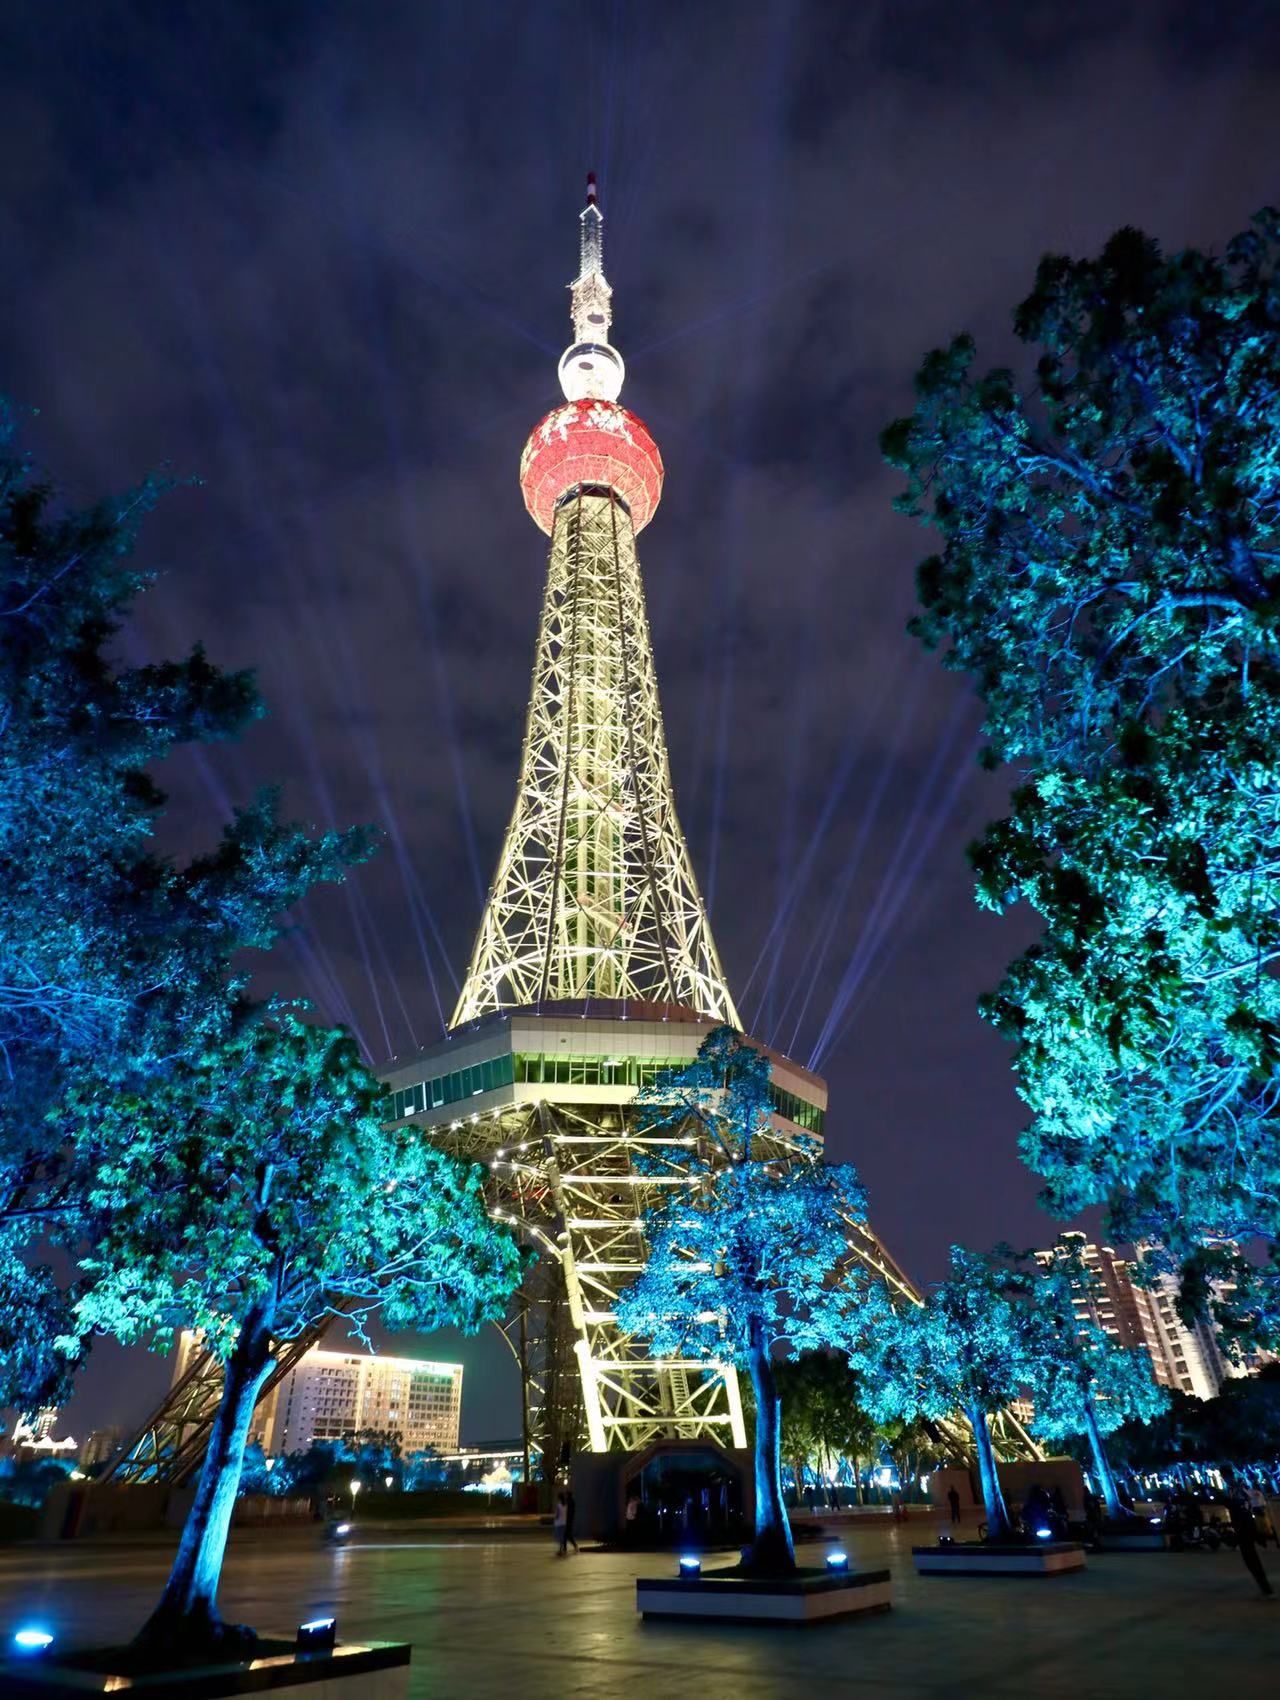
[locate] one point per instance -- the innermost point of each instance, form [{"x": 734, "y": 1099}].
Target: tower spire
[
  {"x": 594, "y": 895},
  {"x": 591, "y": 369}
]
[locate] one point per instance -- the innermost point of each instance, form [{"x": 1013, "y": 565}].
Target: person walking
[
  {"x": 570, "y": 1518},
  {"x": 1262, "y": 1516},
  {"x": 1061, "y": 1518},
  {"x": 953, "y": 1500},
  {"x": 1092, "y": 1513},
  {"x": 560, "y": 1523},
  {"x": 1247, "y": 1540}
]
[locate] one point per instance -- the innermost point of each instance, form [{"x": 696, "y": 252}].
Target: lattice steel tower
[
  {"x": 594, "y": 967},
  {"x": 595, "y": 895}
]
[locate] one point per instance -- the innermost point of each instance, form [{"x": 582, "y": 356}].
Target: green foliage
[
  {"x": 911, "y": 1443},
  {"x": 262, "y": 1178},
  {"x": 30, "y": 1480},
  {"x": 252, "y": 1194},
  {"x": 1079, "y": 1373},
  {"x": 1241, "y": 1427},
  {"x": 743, "y": 1256},
  {"x": 822, "y": 1411},
  {"x": 368, "y": 1456},
  {"x": 114, "y": 960},
  {"x": 1110, "y": 580},
  {"x": 970, "y": 1345}
]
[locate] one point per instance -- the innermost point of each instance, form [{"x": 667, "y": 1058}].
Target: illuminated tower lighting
[
  {"x": 593, "y": 968},
  {"x": 594, "y": 895}
]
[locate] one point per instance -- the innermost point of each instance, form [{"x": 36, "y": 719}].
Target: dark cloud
[{"x": 316, "y": 255}]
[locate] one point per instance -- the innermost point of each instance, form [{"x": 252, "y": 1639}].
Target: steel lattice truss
[
  {"x": 170, "y": 1445},
  {"x": 565, "y": 1176},
  {"x": 595, "y": 895},
  {"x": 594, "y": 899}
]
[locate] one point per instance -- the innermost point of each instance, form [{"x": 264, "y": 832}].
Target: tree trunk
[
  {"x": 771, "y": 1553},
  {"x": 1101, "y": 1466},
  {"x": 992, "y": 1497},
  {"x": 857, "y": 1479},
  {"x": 188, "y": 1609}
]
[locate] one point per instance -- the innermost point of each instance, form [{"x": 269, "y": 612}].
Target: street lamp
[{"x": 356, "y": 1485}]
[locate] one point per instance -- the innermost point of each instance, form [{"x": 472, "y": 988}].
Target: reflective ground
[{"x": 501, "y": 1616}]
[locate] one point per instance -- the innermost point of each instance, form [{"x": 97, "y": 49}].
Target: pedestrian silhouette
[
  {"x": 560, "y": 1524},
  {"x": 1247, "y": 1541},
  {"x": 570, "y": 1518}
]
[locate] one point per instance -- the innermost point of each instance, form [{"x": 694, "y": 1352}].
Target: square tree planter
[
  {"x": 811, "y": 1596},
  {"x": 375, "y": 1670},
  {"x": 986, "y": 1558}
]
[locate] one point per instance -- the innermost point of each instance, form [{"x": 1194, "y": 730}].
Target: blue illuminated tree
[
  {"x": 971, "y": 1346},
  {"x": 742, "y": 1258},
  {"x": 1110, "y": 579},
  {"x": 251, "y": 1196},
  {"x": 1082, "y": 1381},
  {"x": 114, "y": 960}
]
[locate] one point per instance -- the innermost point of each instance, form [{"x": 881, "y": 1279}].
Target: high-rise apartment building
[
  {"x": 102, "y": 1446},
  {"x": 1189, "y": 1358},
  {"x": 328, "y": 1395},
  {"x": 331, "y": 1394},
  {"x": 1110, "y": 1302}
]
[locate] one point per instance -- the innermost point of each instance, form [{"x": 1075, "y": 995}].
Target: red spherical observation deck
[{"x": 590, "y": 442}]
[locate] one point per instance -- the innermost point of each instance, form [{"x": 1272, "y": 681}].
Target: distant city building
[
  {"x": 33, "y": 1436},
  {"x": 1189, "y": 1358},
  {"x": 332, "y": 1394},
  {"x": 329, "y": 1395},
  {"x": 37, "y": 1427},
  {"x": 1111, "y": 1303},
  {"x": 102, "y": 1446}
]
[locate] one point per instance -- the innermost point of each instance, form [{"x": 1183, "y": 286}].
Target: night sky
[{"x": 315, "y": 257}]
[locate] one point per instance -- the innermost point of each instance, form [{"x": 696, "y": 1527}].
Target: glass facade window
[
  {"x": 453, "y": 1088},
  {"x": 559, "y": 1069}
]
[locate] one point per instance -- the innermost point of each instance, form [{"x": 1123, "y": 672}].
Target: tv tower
[
  {"x": 594, "y": 896},
  {"x": 594, "y": 968}
]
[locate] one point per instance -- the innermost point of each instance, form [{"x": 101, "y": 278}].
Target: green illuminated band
[{"x": 546, "y": 1069}]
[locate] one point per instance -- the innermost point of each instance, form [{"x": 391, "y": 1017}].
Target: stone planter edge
[{"x": 355, "y": 1668}]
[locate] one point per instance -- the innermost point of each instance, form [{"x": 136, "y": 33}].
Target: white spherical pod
[{"x": 591, "y": 371}]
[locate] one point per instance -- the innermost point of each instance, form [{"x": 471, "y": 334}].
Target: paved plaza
[{"x": 500, "y": 1616}]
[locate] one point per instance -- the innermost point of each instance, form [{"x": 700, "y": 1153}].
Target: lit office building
[{"x": 329, "y": 1395}]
